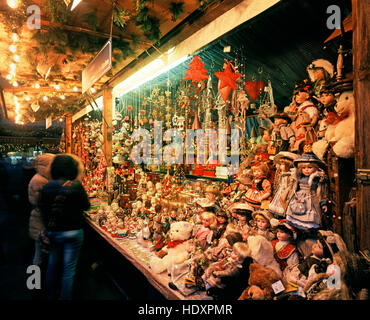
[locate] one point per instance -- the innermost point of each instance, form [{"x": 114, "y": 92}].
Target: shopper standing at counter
[{"x": 62, "y": 203}]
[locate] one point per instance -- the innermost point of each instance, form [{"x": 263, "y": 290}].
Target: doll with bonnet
[
  {"x": 284, "y": 163},
  {"x": 285, "y": 251},
  {"x": 307, "y": 196},
  {"x": 261, "y": 221}
]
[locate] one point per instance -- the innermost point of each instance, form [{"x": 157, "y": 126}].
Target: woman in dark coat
[{"x": 62, "y": 203}]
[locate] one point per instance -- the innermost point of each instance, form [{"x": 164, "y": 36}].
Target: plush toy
[
  {"x": 177, "y": 248},
  {"x": 260, "y": 283}
]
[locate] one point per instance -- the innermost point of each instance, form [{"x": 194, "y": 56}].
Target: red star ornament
[{"x": 228, "y": 77}]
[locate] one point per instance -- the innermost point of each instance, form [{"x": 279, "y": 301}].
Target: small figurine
[
  {"x": 222, "y": 222},
  {"x": 321, "y": 72},
  {"x": 242, "y": 214},
  {"x": 327, "y": 100},
  {"x": 285, "y": 251}
]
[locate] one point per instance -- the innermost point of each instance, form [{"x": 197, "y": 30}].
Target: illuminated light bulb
[
  {"x": 16, "y": 58},
  {"x": 12, "y": 3},
  {"x": 15, "y": 37},
  {"x": 13, "y": 66},
  {"x": 45, "y": 98},
  {"x": 13, "y": 48},
  {"x": 61, "y": 119},
  {"x": 15, "y": 84},
  {"x": 37, "y": 86},
  {"x": 57, "y": 87},
  {"x": 92, "y": 90},
  {"x": 62, "y": 97},
  {"x": 75, "y": 88},
  {"x": 9, "y": 77},
  {"x": 28, "y": 98}
]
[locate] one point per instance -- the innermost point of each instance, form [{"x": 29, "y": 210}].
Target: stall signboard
[
  {"x": 97, "y": 68},
  {"x": 49, "y": 121}
]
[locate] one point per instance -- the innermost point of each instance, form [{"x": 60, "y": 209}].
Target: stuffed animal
[
  {"x": 178, "y": 248},
  {"x": 260, "y": 283},
  {"x": 342, "y": 131}
]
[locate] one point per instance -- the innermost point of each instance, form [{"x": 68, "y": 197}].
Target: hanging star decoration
[
  {"x": 196, "y": 71},
  {"x": 228, "y": 77}
]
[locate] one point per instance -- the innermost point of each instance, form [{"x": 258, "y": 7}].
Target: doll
[
  {"x": 242, "y": 214},
  {"x": 284, "y": 163},
  {"x": 204, "y": 231},
  {"x": 261, "y": 186},
  {"x": 212, "y": 193},
  {"x": 285, "y": 251},
  {"x": 327, "y": 100},
  {"x": 158, "y": 237},
  {"x": 320, "y": 71},
  {"x": 282, "y": 135},
  {"x": 222, "y": 222},
  {"x": 261, "y": 221},
  {"x": 224, "y": 278},
  {"x": 307, "y": 196},
  {"x": 306, "y": 116}
]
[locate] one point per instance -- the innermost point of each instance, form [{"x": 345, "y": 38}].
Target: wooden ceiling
[{"x": 50, "y": 66}]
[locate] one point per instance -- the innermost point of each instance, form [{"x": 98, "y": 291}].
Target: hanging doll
[
  {"x": 284, "y": 163},
  {"x": 307, "y": 196},
  {"x": 285, "y": 251},
  {"x": 204, "y": 231},
  {"x": 261, "y": 222},
  {"x": 282, "y": 136},
  {"x": 261, "y": 186}
]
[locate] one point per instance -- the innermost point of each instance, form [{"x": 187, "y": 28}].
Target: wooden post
[
  {"x": 69, "y": 134},
  {"x": 107, "y": 125},
  {"x": 361, "y": 58}
]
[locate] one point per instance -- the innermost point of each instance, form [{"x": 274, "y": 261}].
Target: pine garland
[
  {"x": 176, "y": 9},
  {"x": 120, "y": 18}
]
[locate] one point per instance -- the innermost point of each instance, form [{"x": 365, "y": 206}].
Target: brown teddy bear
[{"x": 260, "y": 283}]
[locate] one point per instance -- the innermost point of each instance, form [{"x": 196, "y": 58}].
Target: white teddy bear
[
  {"x": 343, "y": 132},
  {"x": 178, "y": 248}
]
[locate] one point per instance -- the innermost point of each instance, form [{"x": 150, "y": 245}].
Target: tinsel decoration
[{"x": 176, "y": 9}]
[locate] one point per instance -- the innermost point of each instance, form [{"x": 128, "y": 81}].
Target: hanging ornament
[
  {"x": 224, "y": 92},
  {"x": 196, "y": 71},
  {"x": 254, "y": 88},
  {"x": 228, "y": 77},
  {"x": 196, "y": 124}
]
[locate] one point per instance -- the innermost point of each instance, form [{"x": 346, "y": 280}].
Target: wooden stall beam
[
  {"x": 68, "y": 134},
  {"x": 361, "y": 70},
  {"x": 107, "y": 124}
]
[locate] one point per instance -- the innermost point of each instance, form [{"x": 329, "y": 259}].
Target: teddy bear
[
  {"x": 260, "y": 283},
  {"x": 177, "y": 250},
  {"x": 341, "y": 132}
]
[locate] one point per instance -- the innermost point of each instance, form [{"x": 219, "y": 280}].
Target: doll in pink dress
[{"x": 204, "y": 231}]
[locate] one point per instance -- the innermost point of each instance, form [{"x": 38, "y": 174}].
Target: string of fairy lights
[{"x": 12, "y": 75}]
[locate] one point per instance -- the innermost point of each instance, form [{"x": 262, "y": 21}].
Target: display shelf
[{"x": 140, "y": 257}]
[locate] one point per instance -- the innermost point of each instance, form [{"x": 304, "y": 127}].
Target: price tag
[{"x": 278, "y": 287}]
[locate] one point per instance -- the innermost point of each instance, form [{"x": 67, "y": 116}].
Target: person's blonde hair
[{"x": 211, "y": 216}]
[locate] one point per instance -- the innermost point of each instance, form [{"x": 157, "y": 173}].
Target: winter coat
[{"x": 42, "y": 177}]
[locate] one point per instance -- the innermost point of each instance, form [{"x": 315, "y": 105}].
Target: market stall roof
[{"x": 41, "y": 69}]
